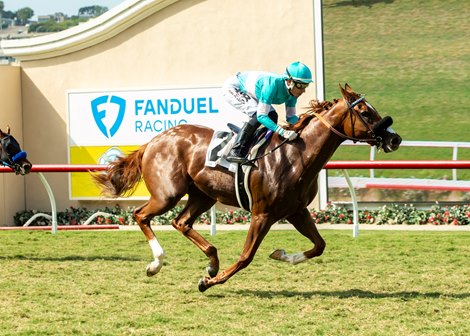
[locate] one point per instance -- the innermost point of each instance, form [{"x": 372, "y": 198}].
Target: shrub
[{"x": 393, "y": 214}]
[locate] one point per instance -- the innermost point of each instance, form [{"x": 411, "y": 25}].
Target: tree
[
  {"x": 2, "y": 6},
  {"x": 8, "y": 15},
  {"x": 92, "y": 11},
  {"x": 24, "y": 14},
  {"x": 53, "y": 26}
]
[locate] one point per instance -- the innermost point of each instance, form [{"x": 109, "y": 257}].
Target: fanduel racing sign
[{"x": 105, "y": 124}]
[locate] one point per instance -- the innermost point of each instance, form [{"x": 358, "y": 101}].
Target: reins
[
  {"x": 330, "y": 127},
  {"x": 10, "y": 164},
  {"x": 265, "y": 154},
  {"x": 6, "y": 164}
]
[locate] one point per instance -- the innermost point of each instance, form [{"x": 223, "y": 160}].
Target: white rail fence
[
  {"x": 455, "y": 146},
  {"x": 344, "y": 165}
]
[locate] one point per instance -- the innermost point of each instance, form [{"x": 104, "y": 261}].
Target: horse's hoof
[
  {"x": 153, "y": 268},
  {"x": 212, "y": 270},
  {"x": 202, "y": 285},
  {"x": 277, "y": 254}
]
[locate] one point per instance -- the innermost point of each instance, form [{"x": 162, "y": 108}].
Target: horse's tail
[{"x": 121, "y": 176}]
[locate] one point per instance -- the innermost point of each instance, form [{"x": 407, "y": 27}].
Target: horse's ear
[
  {"x": 344, "y": 93},
  {"x": 348, "y": 88},
  {"x": 8, "y": 129}
]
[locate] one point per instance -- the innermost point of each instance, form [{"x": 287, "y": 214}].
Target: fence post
[
  {"x": 213, "y": 220},
  {"x": 354, "y": 203},
  {"x": 372, "y": 158},
  {"x": 52, "y": 200},
  {"x": 454, "y": 158}
]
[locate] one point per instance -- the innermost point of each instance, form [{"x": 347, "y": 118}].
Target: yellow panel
[{"x": 81, "y": 184}]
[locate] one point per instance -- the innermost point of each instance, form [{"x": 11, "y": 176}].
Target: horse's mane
[{"x": 315, "y": 106}]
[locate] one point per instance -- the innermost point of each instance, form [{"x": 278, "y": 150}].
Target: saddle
[{"x": 219, "y": 147}]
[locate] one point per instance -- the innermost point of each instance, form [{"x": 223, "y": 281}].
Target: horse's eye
[{"x": 366, "y": 115}]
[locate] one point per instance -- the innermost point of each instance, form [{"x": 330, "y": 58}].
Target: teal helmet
[{"x": 299, "y": 72}]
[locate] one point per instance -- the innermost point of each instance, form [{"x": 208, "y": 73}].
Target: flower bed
[{"x": 387, "y": 214}]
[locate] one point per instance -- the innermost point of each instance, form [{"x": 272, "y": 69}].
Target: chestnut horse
[
  {"x": 11, "y": 154},
  {"x": 282, "y": 183}
]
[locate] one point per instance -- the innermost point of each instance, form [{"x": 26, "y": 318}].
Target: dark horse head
[
  {"x": 283, "y": 182},
  {"x": 11, "y": 154}
]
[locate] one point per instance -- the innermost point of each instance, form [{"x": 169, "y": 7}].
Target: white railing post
[
  {"x": 213, "y": 220},
  {"x": 52, "y": 200},
  {"x": 372, "y": 158},
  {"x": 354, "y": 203},
  {"x": 454, "y": 158},
  {"x": 323, "y": 189}
]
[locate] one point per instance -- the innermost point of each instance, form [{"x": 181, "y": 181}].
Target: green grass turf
[
  {"x": 94, "y": 283},
  {"x": 412, "y": 60}
]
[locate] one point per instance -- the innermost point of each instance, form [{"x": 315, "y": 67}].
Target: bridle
[
  {"x": 8, "y": 145},
  {"x": 373, "y": 136}
]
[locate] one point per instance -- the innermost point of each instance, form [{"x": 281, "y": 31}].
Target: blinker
[
  {"x": 382, "y": 124},
  {"x": 19, "y": 156}
]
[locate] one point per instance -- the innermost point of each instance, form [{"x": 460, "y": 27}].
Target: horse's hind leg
[
  {"x": 143, "y": 215},
  {"x": 197, "y": 204},
  {"x": 305, "y": 224},
  {"x": 258, "y": 229}
]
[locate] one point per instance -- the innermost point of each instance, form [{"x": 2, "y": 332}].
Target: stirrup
[{"x": 235, "y": 159}]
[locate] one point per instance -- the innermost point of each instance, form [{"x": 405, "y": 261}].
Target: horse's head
[
  {"x": 363, "y": 122},
  {"x": 11, "y": 154}
]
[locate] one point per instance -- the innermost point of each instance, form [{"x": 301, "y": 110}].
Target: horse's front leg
[
  {"x": 305, "y": 224},
  {"x": 259, "y": 227}
]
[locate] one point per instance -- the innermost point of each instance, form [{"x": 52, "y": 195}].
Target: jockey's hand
[{"x": 289, "y": 135}]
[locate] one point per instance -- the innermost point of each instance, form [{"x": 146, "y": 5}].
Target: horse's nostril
[
  {"x": 26, "y": 168},
  {"x": 396, "y": 140}
]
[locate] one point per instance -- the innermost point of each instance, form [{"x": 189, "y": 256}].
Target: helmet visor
[{"x": 300, "y": 85}]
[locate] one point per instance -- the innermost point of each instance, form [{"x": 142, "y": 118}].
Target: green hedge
[{"x": 387, "y": 214}]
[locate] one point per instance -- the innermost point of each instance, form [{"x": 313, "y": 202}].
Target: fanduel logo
[{"x": 104, "y": 108}]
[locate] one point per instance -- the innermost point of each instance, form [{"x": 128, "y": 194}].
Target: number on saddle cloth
[
  {"x": 218, "y": 148},
  {"x": 222, "y": 142}
]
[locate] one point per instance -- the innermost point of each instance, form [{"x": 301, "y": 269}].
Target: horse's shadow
[
  {"x": 70, "y": 258},
  {"x": 351, "y": 293},
  {"x": 359, "y": 3}
]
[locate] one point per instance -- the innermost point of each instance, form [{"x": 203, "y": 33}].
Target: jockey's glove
[{"x": 289, "y": 135}]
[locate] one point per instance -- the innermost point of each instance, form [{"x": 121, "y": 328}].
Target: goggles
[{"x": 300, "y": 85}]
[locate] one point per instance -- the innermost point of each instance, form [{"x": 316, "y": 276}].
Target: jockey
[{"x": 254, "y": 92}]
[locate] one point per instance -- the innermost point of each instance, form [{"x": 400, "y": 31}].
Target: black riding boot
[{"x": 238, "y": 151}]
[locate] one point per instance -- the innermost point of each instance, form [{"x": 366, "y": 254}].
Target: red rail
[
  {"x": 59, "y": 168},
  {"x": 444, "y": 164},
  {"x": 416, "y": 187},
  {"x": 421, "y": 164},
  {"x": 61, "y": 227}
]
